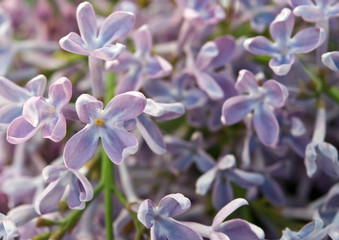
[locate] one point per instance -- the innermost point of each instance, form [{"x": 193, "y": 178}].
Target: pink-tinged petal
[
  {"x": 55, "y": 128},
  {"x": 174, "y": 204},
  {"x": 81, "y": 147},
  {"x": 158, "y": 67},
  {"x": 227, "y": 210},
  {"x": 125, "y": 106},
  {"x": 118, "y": 144},
  {"x": 266, "y": 125},
  {"x": 275, "y": 93},
  {"x": 281, "y": 66},
  {"x": 226, "y": 47},
  {"x": 331, "y": 60},
  {"x": 260, "y": 46},
  {"x": 37, "y": 85},
  {"x": 219, "y": 236},
  {"x": 60, "y": 93},
  {"x": 236, "y": 108},
  {"x": 206, "y": 54},
  {"x": 115, "y": 26},
  {"x": 73, "y": 43},
  {"x": 209, "y": 85},
  {"x": 47, "y": 201},
  {"x": 109, "y": 52},
  {"x": 87, "y": 23},
  {"x": 282, "y": 26},
  {"x": 172, "y": 230},
  {"x": 36, "y": 110},
  {"x": 20, "y": 131},
  {"x": 151, "y": 134},
  {"x": 88, "y": 107},
  {"x": 309, "y": 13},
  {"x": 146, "y": 213},
  {"x": 238, "y": 229},
  {"x": 205, "y": 181},
  {"x": 86, "y": 189},
  {"x": 246, "y": 82},
  {"x": 143, "y": 40},
  {"x": 12, "y": 92},
  {"x": 307, "y": 40}
]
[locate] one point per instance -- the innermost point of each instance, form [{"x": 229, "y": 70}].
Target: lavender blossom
[
  {"x": 7, "y": 228},
  {"x": 260, "y": 100},
  {"x": 285, "y": 46},
  {"x": 139, "y": 65},
  {"x": 160, "y": 218},
  {"x": 60, "y": 178},
  {"x": 117, "y": 142},
  {"x": 331, "y": 60},
  {"x": 39, "y": 112}
]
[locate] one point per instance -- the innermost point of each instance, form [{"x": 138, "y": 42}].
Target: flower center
[{"x": 99, "y": 122}]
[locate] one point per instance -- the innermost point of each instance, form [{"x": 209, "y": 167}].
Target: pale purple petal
[
  {"x": 203, "y": 160},
  {"x": 9, "y": 227},
  {"x": 175, "y": 230},
  {"x": 273, "y": 192},
  {"x": 331, "y": 60},
  {"x": 209, "y": 85},
  {"x": 35, "y": 110},
  {"x": 151, "y": 134},
  {"x": 309, "y": 13},
  {"x": 245, "y": 179},
  {"x": 227, "y": 210},
  {"x": 328, "y": 159},
  {"x": 307, "y": 40},
  {"x": 246, "y": 82},
  {"x": 238, "y": 229},
  {"x": 86, "y": 189},
  {"x": 143, "y": 40},
  {"x": 87, "y": 23},
  {"x": 282, "y": 26},
  {"x": 131, "y": 81},
  {"x": 20, "y": 131},
  {"x": 206, "y": 54},
  {"x": 73, "y": 43},
  {"x": 9, "y": 112},
  {"x": 226, "y": 48},
  {"x": 194, "y": 98},
  {"x": 47, "y": 201},
  {"x": 115, "y": 26},
  {"x": 183, "y": 162},
  {"x": 125, "y": 106},
  {"x": 275, "y": 93},
  {"x": 87, "y": 107},
  {"x": 37, "y": 85},
  {"x": 52, "y": 173},
  {"x": 146, "y": 213},
  {"x": 266, "y": 125},
  {"x": 158, "y": 67},
  {"x": 222, "y": 192},
  {"x": 310, "y": 159},
  {"x": 12, "y": 92},
  {"x": 118, "y": 144},
  {"x": 81, "y": 147},
  {"x": 55, "y": 128},
  {"x": 73, "y": 200},
  {"x": 204, "y": 182},
  {"x": 260, "y": 46},
  {"x": 109, "y": 52},
  {"x": 173, "y": 205},
  {"x": 60, "y": 93},
  {"x": 282, "y": 65},
  {"x": 124, "y": 61},
  {"x": 236, "y": 108}
]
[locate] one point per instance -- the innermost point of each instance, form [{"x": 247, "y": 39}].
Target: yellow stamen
[{"x": 99, "y": 121}]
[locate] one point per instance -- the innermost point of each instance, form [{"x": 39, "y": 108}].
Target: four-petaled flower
[{"x": 117, "y": 142}]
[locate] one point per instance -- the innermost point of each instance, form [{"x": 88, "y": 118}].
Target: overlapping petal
[
  {"x": 87, "y": 107},
  {"x": 331, "y": 60},
  {"x": 174, "y": 204},
  {"x": 282, "y": 26},
  {"x": 75, "y": 44}
]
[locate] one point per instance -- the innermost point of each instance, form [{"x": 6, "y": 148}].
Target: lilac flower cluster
[{"x": 164, "y": 117}]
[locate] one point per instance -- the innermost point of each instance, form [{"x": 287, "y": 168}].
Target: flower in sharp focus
[
  {"x": 160, "y": 218},
  {"x": 117, "y": 142},
  {"x": 60, "y": 178},
  {"x": 13, "y": 97},
  {"x": 284, "y": 46},
  {"x": 98, "y": 42},
  {"x": 39, "y": 112},
  {"x": 262, "y": 100},
  {"x": 139, "y": 65}
]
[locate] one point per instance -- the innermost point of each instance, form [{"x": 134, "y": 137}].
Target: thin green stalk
[{"x": 107, "y": 169}]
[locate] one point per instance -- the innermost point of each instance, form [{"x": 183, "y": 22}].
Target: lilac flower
[
  {"x": 139, "y": 65},
  {"x": 13, "y": 97},
  {"x": 223, "y": 173},
  {"x": 8, "y": 228},
  {"x": 261, "y": 100},
  {"x": 312, "y": 231},
  {"x": 331, "y": 60},
  {"x": 160, "y": 218},
  {"x": 96, "y": 43},
  {"x": 60, "y": 178},
  {"x": 328, "y": 208},
  {"x": 117, "y": 142},
  {"x": 319, "y": 153},
  {"x": 285, "y": 46},
  {"x": 189, "y": 152},
  {"x": 39, "y": 112},
  {"x": 235, "y": 229}
]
